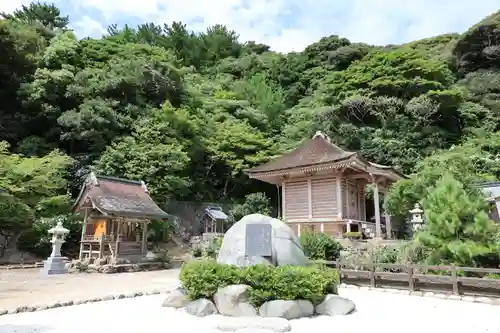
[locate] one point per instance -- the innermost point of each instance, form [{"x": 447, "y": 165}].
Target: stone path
[
  {"x": 26, "y": 286},
  {"x": 377, "y": 312}
]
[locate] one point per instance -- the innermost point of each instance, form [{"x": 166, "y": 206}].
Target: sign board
[{"x": 258, "y": 240}]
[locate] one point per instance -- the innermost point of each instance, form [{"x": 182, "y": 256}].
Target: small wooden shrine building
[
  {"x": 214, "y": 220},
  {"x": 117, "y": 213},
  {"x": 323, "y": 188}
]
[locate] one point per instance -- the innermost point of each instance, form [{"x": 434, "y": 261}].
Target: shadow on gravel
[{"x": 24, "y": 329}]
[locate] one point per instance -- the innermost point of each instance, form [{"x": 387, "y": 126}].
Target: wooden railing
[
  {"x": 414, "y": 277},
  {"x": 106, "y": 238}
]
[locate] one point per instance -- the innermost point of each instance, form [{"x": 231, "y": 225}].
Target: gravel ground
[
  {"x": 21, "y": 287},
  {"x": 377, "y": 312}
]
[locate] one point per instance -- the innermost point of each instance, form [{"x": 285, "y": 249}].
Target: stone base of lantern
[{"x": 54, "y": 266}]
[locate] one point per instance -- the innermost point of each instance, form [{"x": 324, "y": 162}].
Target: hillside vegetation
[{"x": 188, "y": 112}]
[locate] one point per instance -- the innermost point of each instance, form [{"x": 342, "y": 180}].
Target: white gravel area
[{"x": 376, "y": 312}]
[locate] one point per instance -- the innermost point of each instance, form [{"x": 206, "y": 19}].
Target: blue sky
[{"x": 285, "y": 25}]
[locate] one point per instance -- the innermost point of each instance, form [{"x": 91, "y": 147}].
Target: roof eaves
[
  {"x": 305, "y": 166},
  {"x": 162, "y": 215},
  {"x": 120, "y": 180}
]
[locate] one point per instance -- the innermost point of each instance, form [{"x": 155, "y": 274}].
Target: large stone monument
[
  {"x": 55, "y": 262},
  {"x": 259, "y": 239}
]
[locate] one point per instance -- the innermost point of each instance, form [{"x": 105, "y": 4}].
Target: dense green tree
[
  {"x": 255, "y": 203},
  {"x": 457, "y": 229},
  {"x": 47, "y": 15},
  {"x": 188, "y": 112},
  {"x": 474, "y": 160},
  {"x": 31, "y": 188}
]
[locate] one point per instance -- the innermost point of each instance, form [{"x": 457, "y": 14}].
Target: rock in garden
[
  {"x": 287, "y": 309},
  {"x": 201, "y": 307},
  {"x": 250, "y": 324},
  {"x": 334, "y": 305},
  {"x": 107, "y": 269},
  {"x": 286, "y": 248},
  {"x": 176, "y": 299},
  {"x": 233, "y": 301}
]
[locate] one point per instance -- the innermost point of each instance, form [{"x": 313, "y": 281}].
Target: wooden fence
[{"x": 415, "y": 277}]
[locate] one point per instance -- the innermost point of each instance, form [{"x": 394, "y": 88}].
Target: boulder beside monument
[{"x": 259, "y": 239}]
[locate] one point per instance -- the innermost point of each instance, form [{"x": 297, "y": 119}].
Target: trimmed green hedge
[
  {"x": 318, "y": 246},
  {"x": 202, "y": 279}
]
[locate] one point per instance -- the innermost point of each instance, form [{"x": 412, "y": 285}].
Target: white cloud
[
  {"x": 87, "y": 26},
  {"x": 289, "y": 25}
]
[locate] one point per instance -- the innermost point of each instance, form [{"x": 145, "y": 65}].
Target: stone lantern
[
  {"x": 55, "y": 263},
  {"x": 416, "y": 218}
]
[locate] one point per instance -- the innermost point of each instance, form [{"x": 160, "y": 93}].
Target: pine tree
[{"x": 458, "y": 230}]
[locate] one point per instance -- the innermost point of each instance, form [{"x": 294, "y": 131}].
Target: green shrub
[
  {"x": 386, "y": 255},
  {"x": 210, "y": 252},
  {"x": 318, "y": 246},
  {"x": 213, "y": 248},
  {"x": 289, "y": 283},
  {"x": 203, "y": 278},
  {"x": 353, "y": 235},
  {"x": 254, "y": 203},
  {"x": 196, "y": 252},
  {"x": 494, "y": 276}
]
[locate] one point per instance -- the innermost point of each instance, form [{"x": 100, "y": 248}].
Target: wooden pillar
[
  {"x": 101, "y": 246},
  {"x": 118, "y": 236},
  {"x": 298, "y": 229},
  {"x": 283, "y": 201},
  {"x": 376, "y": 199},
  {"x": 388, "y": 226},
  {"x": 144, "y": 244},
  {"x": 359, "y": 201},
  {"x": 84, "y": 228},
  {"x": 309, "y": 198},
  {"x": 339, "y": 196},
  {"x": 279, "y": 201},
  {"x": 348, "y": 200}
]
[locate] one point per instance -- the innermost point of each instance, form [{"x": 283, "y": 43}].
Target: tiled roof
[
  {"x": 119, "y": 197},
  {"x": 216, "y": 213},
  {"x": 314, "y": 151}
]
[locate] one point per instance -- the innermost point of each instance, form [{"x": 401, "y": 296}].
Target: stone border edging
[
  {"x": 472, "y": 299},
  {"x": 59, "y": 304},
  {"x": 21, "y": 266}
]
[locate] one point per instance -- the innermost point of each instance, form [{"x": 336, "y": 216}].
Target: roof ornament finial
[
  {"x": 93, "y": 179},
  {"x": 320, "y": 134},
  {"x": 144, "y": 186}
]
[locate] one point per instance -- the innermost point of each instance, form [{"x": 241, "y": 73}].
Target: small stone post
[
  {"x": 55, "y": 263},
  {"x": 416, "y": 218}
]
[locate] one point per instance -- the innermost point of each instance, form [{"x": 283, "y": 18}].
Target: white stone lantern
[
  {"x": 55, "y": 263},
  {"x": 416, "y": 217}
]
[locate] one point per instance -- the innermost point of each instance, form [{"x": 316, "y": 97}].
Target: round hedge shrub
[
  {"x": 202, "y": 279},
  {"x": 318, "y": 246}
]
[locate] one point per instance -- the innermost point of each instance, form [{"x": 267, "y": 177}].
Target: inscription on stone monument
[{"x": 258, "y": 240}]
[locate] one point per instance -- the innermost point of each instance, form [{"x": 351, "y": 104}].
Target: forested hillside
[{"x": 188, "y": 112}]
